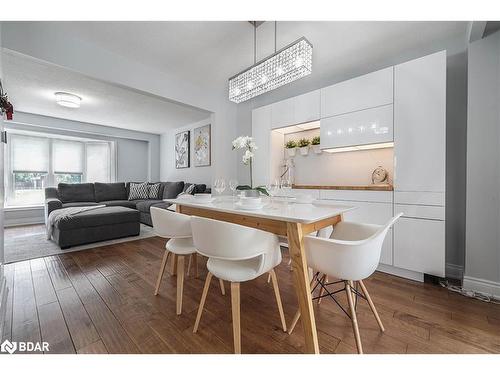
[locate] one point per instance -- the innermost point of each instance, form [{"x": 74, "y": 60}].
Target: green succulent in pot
[
  {"x": 316, "y": 141},
  {"x": 304, "y": 142}
]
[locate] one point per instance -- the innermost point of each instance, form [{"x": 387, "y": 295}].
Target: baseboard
[
  {"x": 18, "y": 222},
  {"x": 401, "y": 272},
  {"x": 491, "y": 288},
  {"x": 454, "y": 271}
]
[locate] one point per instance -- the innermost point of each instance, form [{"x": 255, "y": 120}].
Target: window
[{"x": 35, "y": 162}]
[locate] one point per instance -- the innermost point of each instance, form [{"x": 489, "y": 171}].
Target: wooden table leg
[{"x": 301, "y": 280}]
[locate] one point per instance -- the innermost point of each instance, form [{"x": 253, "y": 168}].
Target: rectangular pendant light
[{"x": 284, "y": 66}]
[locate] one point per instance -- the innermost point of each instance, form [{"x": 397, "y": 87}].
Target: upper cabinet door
[
  {"x": 368, "y": 91},
  {"x": 261, "y": 133},
  {"x": 282, "y": 114},
  {"x": 306, "y": 107},
  {"x": 420, "y": 124},
  {"x": 373, "y": 125}
]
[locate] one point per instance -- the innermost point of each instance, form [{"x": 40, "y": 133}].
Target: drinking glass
[
  {"x": 286, "y": 187},
  {"x": 233, "y": 184},
  {"x": 219, "y": 186},
  {"x": 273, "y": 188}
]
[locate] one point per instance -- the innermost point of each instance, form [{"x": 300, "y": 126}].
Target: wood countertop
[{"x": 347, "y": 187}]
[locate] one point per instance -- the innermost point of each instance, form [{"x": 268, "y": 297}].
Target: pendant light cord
[{"x": 275, "y": 33}]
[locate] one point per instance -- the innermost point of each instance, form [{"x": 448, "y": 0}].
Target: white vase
[
  {"x": 291, "y": 151},
  {"x": 304, "y": 150},
  {"x": 316, "y": 149}
]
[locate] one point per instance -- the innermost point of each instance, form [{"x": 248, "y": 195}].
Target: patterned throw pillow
[
  {"x": 138, "y": 191},
  {"x": 154, "y": 191},
  {"x": 188, "y": 191}
]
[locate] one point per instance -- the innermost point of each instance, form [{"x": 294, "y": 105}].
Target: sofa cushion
[
  {"x": 138, "y": 191},
  {"x": 79, "y": 204},
  {"x": 76, "y": 192},
  {"x": 110, "y": 192},
  {"x": 154, "y": 191},
  {"x": 163, "y": 205},
  {"x": 122, "y": 203},
  {"x": 198, "y": 188},
  {"x": 99, "y": 217},
  {"x": 145, "y": 205},
  {"x": 172, "y": 189}
]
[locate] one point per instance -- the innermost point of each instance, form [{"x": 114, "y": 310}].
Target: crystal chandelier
[{"x": 284, "y": 66}]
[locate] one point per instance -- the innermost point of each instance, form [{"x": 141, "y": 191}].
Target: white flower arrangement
[{"x": 247, "y": 143}]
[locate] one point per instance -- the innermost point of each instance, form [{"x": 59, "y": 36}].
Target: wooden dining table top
[{"x": 304, "y": 213}]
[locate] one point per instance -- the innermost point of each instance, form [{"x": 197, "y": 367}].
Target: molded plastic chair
[
  {"x": 351, "y": 254},
  {"x": 176, "y": 227},
  {"x": 236, "y": 253}
]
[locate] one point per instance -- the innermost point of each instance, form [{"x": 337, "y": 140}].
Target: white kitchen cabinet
[
  {"x": 419, "y": 245},
  {"x": 420, "y": 124},
  {"x": 306, "y": 107},
  {"x": 371, "y": 213},
  {"x": 374, "y": 125},
  {"x": 282, "y": 114},
  {"x": 368, "y": 91},
  {"x": 261, "y": 133}
]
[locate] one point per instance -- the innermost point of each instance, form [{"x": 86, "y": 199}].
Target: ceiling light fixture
[
  {"x": 284, "y": 66},
  {"x": 67, "y": 100}
]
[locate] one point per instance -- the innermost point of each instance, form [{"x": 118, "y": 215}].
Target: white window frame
[{"x": 9, "y": 174}]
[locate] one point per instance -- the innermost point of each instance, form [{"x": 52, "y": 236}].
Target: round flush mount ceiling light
[{"x": 67, "y": 100}]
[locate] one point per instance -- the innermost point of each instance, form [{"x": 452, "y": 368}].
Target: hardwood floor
[{"x": 101, "y": 301}]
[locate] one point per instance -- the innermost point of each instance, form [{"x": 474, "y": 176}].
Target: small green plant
[
  {"x": 304, "y": 142},
  {"x": 291, "y": 144},
  {"x": 315, "y": 140}
]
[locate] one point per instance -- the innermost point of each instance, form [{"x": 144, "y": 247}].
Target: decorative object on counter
[
  {"x": 315, "y": 142},
  {"x": 182, "y": 150},
  {"x": 5, "y": 106},
  {"x": 287, "y": 170},
  {"x": 304, "y": 146},
  {"x": 291, "y": 148},
  {"x": 202, "y": 146},
  {"x": 380, "y": 176},
  {"x": 246, "y": 143}
]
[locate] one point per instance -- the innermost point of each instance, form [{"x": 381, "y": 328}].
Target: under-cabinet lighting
[
  {"x": 361, "y": 147},
  {"x": 299, "y": 128}
]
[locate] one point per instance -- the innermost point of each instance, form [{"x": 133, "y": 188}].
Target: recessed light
[{"x": 66, "y": 99}]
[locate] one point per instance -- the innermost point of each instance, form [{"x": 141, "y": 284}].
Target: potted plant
[
  {"x": 315, "y": 142},
  {"x": 291, "y": 147},
  {"x": 246, "y": 143},
  {"x": 304, "y": 146}
]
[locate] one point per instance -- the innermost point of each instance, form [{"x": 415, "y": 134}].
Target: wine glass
[
  {"x": 286, "y": 187},
  {"x": 272, "y": 188},
  {"x": 219, "y": 185},
  {"x": 233, "y": 184}
]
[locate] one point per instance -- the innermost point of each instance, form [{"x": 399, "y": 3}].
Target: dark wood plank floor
[{"x": 101, "y": 301}]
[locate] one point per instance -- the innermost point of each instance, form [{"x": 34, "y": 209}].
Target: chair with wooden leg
[
  {"x": 177, "y": 228},
  {"x": 236, "y": 254},
  {"x": 351, "y": 254}
]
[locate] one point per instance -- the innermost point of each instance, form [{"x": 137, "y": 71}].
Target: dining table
[{"x": 284, "y": 217}]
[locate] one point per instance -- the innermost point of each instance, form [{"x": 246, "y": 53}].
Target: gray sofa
[{"x": 113, "y": 194}]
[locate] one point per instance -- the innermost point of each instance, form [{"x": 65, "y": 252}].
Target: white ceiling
[
  {"x": 209, "y": 53},
  {"x": 31, "y": 85}
]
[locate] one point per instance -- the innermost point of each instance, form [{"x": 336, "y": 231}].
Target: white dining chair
[
  {"x": 351, "y": 254},
  {"x": 177, "y": 228},
  {"x": 237, "y": 254}
]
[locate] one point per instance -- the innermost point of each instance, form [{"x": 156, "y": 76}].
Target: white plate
[{"x": 245, "y": 207}]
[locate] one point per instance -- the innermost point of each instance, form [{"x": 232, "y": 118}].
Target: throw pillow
[
  {"x": 154, "y": 191},
  {"x": 138, "y": 191},
  {"x": 187, "y": 191}
]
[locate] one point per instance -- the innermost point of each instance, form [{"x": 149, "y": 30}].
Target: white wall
[
  {"x": 168, "y": 172},
  {"x": 138, "y": 153},
  {"x": 482, "y": 264}
]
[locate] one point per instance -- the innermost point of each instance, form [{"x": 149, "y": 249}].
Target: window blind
[
  {"x": 98, "y": 162},
  {"x": 29, "y": 154},
  {"x": 67, "y": 156}
]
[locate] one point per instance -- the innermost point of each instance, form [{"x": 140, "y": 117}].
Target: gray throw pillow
[
  {"x": 138, "y": 191},
  {"x": 154, "y": 191}
]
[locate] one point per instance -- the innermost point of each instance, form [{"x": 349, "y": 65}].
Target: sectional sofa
[{"x": 120, "y": 218}]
